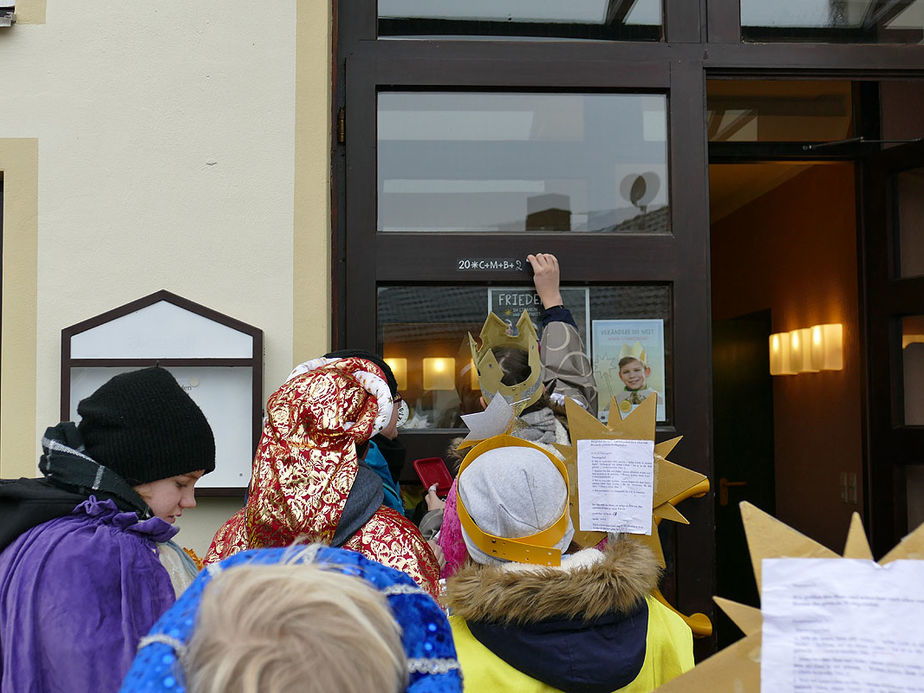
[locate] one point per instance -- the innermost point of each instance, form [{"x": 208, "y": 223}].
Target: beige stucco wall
[{"x": 169, "y": 145}]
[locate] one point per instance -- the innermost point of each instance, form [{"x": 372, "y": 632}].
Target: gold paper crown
[
  {"x": 636, "y": 351},
  {"x": 538, "y": 548},
  {"x": 493, "y": 335}
]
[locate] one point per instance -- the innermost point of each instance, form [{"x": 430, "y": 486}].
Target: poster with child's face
[{"x": 628, "y": 358}]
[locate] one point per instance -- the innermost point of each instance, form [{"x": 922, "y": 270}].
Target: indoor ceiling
[{"x": 731, "y": 186}]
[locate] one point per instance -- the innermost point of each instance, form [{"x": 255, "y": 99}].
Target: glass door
[{"x": 461, "y": 157}]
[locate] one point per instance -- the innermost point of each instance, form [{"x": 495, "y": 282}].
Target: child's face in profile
[{"x": 633, "y": 374}]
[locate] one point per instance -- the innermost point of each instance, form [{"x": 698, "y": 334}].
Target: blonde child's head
[{"x": 293, "y": 627}]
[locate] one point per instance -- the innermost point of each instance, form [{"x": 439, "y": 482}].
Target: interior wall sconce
[
  {"x": 399, "y": 370},
  {"x": 779, "y": 354},
  {"x": 439, "y": 374},
  {"x": 807, "y": 350},
  {"x": 828, "y": 347}
]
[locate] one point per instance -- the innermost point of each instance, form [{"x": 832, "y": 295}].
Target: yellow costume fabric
[{"x": 664, "y": 660}]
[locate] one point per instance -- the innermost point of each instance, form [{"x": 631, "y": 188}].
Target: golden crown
[
  {"x": 494, "y": 334},
  {"x": 635, "y": 351}
]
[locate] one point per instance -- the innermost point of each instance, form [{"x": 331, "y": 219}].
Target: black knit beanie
[{"x": 143, "y": 426}]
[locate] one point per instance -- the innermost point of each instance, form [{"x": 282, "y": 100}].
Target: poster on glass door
[{"x": 628, "y": 358}]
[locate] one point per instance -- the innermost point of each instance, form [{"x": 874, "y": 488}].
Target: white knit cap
[{"x": 513, "y": 492}]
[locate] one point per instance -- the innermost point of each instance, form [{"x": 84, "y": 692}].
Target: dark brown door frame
[
  {"x": 680, "y": 258},
  {"x": 890, "y": 444}
]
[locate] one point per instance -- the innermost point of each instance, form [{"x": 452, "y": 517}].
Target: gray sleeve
[{"x": 566, "y": 369}]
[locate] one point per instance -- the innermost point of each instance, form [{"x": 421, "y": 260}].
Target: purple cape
[{"x": 76, "y": 595}]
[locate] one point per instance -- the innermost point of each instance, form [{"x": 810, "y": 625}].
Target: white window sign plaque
[
  {"x": 615, "y": 485},
  {"x": 218, "y": 360}
]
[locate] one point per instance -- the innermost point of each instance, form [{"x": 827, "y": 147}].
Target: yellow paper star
[
  {"x": 672, "y": 483},
  {"x": 737, "y": 667}
]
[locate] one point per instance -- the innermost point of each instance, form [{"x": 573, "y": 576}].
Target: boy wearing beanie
[
  {"x": 83, "y": 550},
  {"x": 529, "y": 617}
]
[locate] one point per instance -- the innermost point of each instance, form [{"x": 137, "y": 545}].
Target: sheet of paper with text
[
  {"x": 842, "y": 625},
  {"x": 615, "y": 485}
]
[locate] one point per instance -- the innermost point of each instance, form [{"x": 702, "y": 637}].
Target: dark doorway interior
[
  {"x": 743, "y": 430},
  {"x": 784, "y": 257}
]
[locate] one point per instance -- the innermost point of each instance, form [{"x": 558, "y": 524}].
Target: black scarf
[{"x": 70, "y": 477}]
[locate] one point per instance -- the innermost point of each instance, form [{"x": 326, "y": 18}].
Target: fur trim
[
  {"x": 626, "y": 574},
  {"x": 454, "y": 456}
]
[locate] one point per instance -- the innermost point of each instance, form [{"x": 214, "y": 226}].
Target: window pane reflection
[
  {"x": 522, "y": 162},
  {"x": 423, "y": 333},
  {"x": 913, "y": 368},
  {"x": 909, "y": 205},
  {"x": 590, "y": 19},
  {"x": 854, "y": 21}
]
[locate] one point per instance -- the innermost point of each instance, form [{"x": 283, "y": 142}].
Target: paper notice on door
[
  {"x": 615, "y": 485},
  {"x": 842, "y": 625}
]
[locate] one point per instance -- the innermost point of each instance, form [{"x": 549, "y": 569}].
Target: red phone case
[{"x": 433, "y": 470}]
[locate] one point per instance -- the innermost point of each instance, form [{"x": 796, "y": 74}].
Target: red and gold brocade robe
[{"x": 303, "y": 472}]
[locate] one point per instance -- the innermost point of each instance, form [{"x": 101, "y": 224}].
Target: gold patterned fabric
[{"x": 305, "y": 467}]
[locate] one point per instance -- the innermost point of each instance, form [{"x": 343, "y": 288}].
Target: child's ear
[{"x": 647, "y": 371}]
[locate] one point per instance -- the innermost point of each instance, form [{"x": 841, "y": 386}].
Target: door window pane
[
  {"x": 909, "y": 208},
  {"x": 472, "y": 162},
  {"x": 854, "y": 21},
  {"x": 588, "y": 19},
  {"x": 913, "y": 368},
  {"x": 756, "y": 110},
  {"x": 423, "y": 333}
]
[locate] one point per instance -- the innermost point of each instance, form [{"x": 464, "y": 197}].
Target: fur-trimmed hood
[
  {"x": 588, "y": 585},
  {"x": 581, "y": 627}
]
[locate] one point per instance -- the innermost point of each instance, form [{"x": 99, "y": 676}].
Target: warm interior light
[
  {"x": 800, "y": 351},
  {"x": 439, "y": 374},
  {"x": 827, "y": 348},
  {"x": 805, "y": 346},
  {"x": 807, "y": 350},
  {"x": 795, "y": 351},
  {"x": 779, "y": 354},
  {"x": 399, "y": 369}
]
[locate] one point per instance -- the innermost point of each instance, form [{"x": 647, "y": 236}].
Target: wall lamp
[
  {"x": 399, "y": 370},
  {"x": 439, "y": 374},
  {"x": 807, "y": 350}
]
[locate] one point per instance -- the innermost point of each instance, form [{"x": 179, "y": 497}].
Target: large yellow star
[
  {"x": 737, "y": 667},
  {"x": 672, "y": 483}
]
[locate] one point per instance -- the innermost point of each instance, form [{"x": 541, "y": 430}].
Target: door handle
[{"x": 723, "y": 489}]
